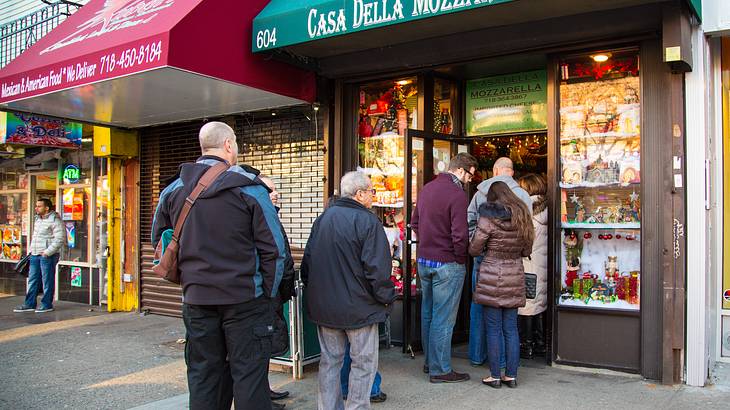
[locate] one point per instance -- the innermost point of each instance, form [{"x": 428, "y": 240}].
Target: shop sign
[
  {"x": 283, "y": 23},
  {"x": 30, "y": 129},
  {"x": 71, "y": 174},
  {"x": 507, "y": 103},
  {"x": 76, "y": 280}
]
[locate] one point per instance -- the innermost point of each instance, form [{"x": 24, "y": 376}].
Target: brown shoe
[{"x": 452, "y": 377}]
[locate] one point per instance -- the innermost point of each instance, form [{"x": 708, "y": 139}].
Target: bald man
[
  {"x": 231, "y": 257},
  {"x": 503, "y": 171}
]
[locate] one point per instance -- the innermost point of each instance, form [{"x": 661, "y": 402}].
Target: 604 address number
[{"x": 266, "y": 38}]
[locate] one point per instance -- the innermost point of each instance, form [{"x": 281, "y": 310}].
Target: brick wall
[{"x": 287, "y": 147}]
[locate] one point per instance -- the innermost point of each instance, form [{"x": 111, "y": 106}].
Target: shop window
[
  {"x": 386, "y": 110},
  {"x": 75, "y": 203},
  {"x": 600, "y": 180},
  {"x": 444, "y": 106},
  {"x": 13, "y": 225}
]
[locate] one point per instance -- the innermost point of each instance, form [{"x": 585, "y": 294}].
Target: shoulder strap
[{"x": 203, "y": 183}]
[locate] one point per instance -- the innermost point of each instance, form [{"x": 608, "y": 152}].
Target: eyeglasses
[
  {"x": 371, "y": 191},
  {"x": 470, "y": 174}
]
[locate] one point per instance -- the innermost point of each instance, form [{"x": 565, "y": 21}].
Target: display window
[
  {"x": 14, "y": 222},
  {"x": 386, "y": 110},
  {"x": 600, "y": 180}
]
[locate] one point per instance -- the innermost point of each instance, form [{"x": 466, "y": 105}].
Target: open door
[{"x": 429, "y": 154}]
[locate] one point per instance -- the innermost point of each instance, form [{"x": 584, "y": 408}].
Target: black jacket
[
  {"x": 232, "y": 247},
  {"x": 346, "y": 268}
]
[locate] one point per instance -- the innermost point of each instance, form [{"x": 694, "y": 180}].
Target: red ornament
[
  {"x": 609, "y": 237},
  {"x": 600, "y": 236},
  {"x": 586, "y": 235},
  {"x": 618, "y": 236}
]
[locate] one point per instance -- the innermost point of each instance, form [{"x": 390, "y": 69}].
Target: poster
[
  {"x": 507, "y": 103},
  {"x": 78, "y": 206},
  {"x": 71, "y": 234},
  {"x": 30, "y": 129},
  {"x": 76, "y": 277},
  {"x": 68, "y": 204}
]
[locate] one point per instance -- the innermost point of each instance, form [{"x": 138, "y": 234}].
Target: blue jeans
[
  {"x": 441, "y": 289},
  {"x": 345, "y": 375},
  {"x": 42, "y": 270},
  {"x": 501, "y": 327},
  {"x": 477, "y": 333}
]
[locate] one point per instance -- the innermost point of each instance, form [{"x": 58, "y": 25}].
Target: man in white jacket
[{"x": 49, "y": 238}]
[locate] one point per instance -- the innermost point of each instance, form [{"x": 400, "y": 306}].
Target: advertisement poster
[
  {"x": 29, "y": 129},
  {"x": 76, "y": 277},
  {"x": 78, "y": 206},
  {"x": 507, "y": 103},
  {"x": 71, "y": 234},
  {"x": 68, "y": 204}
]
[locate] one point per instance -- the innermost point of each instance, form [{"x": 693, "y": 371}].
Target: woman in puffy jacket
[
  {"x": 532, "y": 331},
  {"x": 503, "y": 237}
]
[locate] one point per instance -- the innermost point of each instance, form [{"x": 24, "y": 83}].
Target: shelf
[
  {"x": 598, "y": 185},
  {"x": 618, "y": 305},
  {"x": 395, "y": 205},
  {"x": 584, "y": 225},
  {"x": 610, "y": 134}
]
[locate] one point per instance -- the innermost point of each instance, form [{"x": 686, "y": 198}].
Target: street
[{"x": 78, "y": 357}]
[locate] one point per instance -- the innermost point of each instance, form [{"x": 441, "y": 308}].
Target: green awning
[
  {"x": 286, "y": 22},
  {"x": 696, "y": 6}
]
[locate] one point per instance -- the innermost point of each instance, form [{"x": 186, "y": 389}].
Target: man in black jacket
[
  {"x": 346, "y": 272},
  {"x": 231, "y": 259}
]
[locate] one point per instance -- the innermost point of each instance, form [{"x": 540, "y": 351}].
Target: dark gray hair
[{"x": 352, "y": 182}]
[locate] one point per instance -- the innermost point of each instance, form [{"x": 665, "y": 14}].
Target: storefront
[
  {"x": 596, "y": 109},
  {"x": 55, "y": 159},
  {"x": 125, "y": 67}
]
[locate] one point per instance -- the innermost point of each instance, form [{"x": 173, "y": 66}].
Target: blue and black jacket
[{"x": 232, "y": 247}]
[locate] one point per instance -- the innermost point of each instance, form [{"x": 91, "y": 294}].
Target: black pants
[{"x": 241, "y": 333}]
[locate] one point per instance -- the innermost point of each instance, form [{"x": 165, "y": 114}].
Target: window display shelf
[
  {"x": 395, "y": 205},
  {"x": 586, "y": 184},
  {"x": 610, "y": 134},
  {"x": 586, "y": 225}
]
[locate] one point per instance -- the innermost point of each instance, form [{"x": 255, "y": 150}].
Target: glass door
[{"x": 428, "y": 154}]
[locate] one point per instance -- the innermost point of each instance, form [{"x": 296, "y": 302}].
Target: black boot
[
  {"x": 526, "y": 330},
  {"x": 538, "y": 335}
]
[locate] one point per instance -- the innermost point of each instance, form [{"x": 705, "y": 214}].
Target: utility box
[{"x": 110, "y": 142}]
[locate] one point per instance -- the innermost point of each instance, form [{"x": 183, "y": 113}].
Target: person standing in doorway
[
  {"x": 346, "y": 273},
  {"x": 49, "y": 239},
  {"x": 503, "y": 237},
  {"x": 502, "y": 171},
  {"x": 231, "y": 258},
  {"x": 439, "y": 221},
  {"x": 532, "y": 333},
  {"x": 286, "y": 288}
]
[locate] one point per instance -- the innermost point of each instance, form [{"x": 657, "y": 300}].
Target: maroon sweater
[{"x": 439, "y": 220}]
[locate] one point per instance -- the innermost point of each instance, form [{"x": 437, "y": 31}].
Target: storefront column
[{"x": 697, "y": 213}]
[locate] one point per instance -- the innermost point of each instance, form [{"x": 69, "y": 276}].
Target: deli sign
[
  {"x": 31, "y": 129},
  {"x": 283, "y": 24}
]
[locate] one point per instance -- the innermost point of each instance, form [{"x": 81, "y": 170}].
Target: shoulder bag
[{"x": 167, "y": 267}]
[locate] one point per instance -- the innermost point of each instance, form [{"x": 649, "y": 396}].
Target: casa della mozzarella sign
[{"x": 337, "y": 17}]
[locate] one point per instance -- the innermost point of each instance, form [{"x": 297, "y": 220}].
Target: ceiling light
[
  {"x": 600, "y": 58},
  {"x": 403, "y": 82}
]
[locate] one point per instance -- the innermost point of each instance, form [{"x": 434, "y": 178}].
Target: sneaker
[
  {"x": 378, "y": 398},
  {"x": 44, "y": 310},
  {"x": 23, "y": 308},
  {"x": 452, "y": 377}
]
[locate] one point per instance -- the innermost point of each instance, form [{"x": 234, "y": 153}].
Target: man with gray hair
[
  {"x": 503, "y": 171},
  {"x": 346, "y": 273},
  {"x": 231, "y": 258}
]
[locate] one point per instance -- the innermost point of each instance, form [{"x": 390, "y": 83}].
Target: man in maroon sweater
[{"x": 439, "y": 221}]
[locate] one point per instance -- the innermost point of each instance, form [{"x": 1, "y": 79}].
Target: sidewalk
[{"x": 80, "y": 359}]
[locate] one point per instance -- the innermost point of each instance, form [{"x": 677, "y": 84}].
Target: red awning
[{"x": 133, "y": 63}]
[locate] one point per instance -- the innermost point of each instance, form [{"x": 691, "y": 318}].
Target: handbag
[
  {"x": 530, "y": 285},
  {"x": 22, "y": 267},
  {"x": 167, "y": 267}
]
